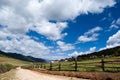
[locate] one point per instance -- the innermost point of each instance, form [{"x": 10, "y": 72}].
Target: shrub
[{"x": 5, "y": 67}]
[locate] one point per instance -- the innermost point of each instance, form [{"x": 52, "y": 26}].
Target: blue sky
[{"x": 56, "y": 29}]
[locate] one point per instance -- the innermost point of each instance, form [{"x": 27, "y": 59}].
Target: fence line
[{"x": 76, "y": 66}]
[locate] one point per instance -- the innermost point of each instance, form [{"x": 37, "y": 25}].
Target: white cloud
[
  {"x": 85, "y": 38},
  {"x": 20, "y": 22},
  {"x": 32, "y": 12},
  {"x": 24, "y": 45},
  {"x": 64, "y": 47},
  {"x": 113, "y": 41},
  {"x": 91, "y": 31},
  {"x": 91, "y": 35},
  {"x": 114, "y": 25},
  {"x": 92, "y": 49},
  {"x": 10, "y": 19},
  {"x": 51, "y": 30},
  {"x": 75, "y": 53},
  {"x": 55, "y": 57},
  {"x": 69, "y": 9},
  {"x": 20, "y": 43},
  {"x": 118, "y": 21},
  {"x": 3, "y": 35}
]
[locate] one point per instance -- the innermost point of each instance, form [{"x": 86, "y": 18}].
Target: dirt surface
[{"x": 24, "y": 74}]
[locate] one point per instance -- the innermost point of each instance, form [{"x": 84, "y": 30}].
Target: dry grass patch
[{"x": 85, "y": 75}]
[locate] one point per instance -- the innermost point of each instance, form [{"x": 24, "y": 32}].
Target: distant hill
[
  {"x": 106, "y": 53},
  {"x": 22, "y": 57}
]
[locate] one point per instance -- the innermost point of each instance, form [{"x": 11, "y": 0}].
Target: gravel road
[{"x": 24, "y": 74}]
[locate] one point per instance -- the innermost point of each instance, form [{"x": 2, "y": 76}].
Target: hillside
[
  {"x": 15, "y": 62},
  {"x": 21, "y": 57}
]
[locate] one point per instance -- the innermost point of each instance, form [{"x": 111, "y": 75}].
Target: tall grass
[{"x": 5, "y": 67}]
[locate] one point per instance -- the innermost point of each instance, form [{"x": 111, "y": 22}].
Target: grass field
[
  {"x": 87, "y": 69},
  {"x": 111, "y": 64}
]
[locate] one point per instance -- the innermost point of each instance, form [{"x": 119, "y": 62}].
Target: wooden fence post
[
  {"x": 102, "y": 63},
  {"x": 76, "y": 65},
  {"x": 34, "y": 66},
  {"x": 59, "y": 65},
  {"x": 50, "y": 65},
  {"x": 41, "y": 65},
  {"x": 44, "y": 66}
]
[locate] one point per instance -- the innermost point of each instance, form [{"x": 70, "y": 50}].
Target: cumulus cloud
[
  {"x": 21, "y": 19},
  {"x": 34, "y": 12},
  {"x": 75, "y": 53},
  {"x": 64, "y": 47},
  {"x": 112, "y": 41},
  {"x": 17, "y": 42},
  {"x": 24, "y": 45},
  {"x": 9, "y": 19},
  {"x": 51, "y": 30},
  {"x": 69, "y": 9},
  {"x": 91, "y": 35}
]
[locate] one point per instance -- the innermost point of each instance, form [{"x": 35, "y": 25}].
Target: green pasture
[{"x": 111, "y": 64}]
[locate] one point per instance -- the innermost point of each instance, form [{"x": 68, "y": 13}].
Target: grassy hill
[
  {"x": 15, "y": 62},
  {"x": 112, "y": 52},
  {"x": 22, "y": 57},
  {"x": 17, "y": 59}
]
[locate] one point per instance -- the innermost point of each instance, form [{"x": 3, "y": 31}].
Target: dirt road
[{"x": 24, "y": 74}]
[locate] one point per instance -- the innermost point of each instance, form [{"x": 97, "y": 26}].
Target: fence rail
[{"x": 101, "y": 65}]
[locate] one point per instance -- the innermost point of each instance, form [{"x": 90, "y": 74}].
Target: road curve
[{"x": 24, "y": 74}]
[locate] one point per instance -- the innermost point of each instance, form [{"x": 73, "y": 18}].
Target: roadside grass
[
  {"x": 7, "y": 63},
  {"x": 6, "y": 67},
  {"x": 8, "y": 75}
]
